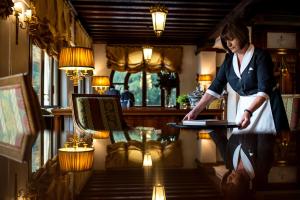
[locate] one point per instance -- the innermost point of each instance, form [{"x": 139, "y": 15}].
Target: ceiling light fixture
[
  {"x": 147, "y": 52},
  {"x": 159, "y": 17}
]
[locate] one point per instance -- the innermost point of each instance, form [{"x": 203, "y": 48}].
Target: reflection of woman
[{"x": 249, "y": 71}]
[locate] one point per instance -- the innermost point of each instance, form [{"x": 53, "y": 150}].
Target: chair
[{"x": 93, "y": 113}]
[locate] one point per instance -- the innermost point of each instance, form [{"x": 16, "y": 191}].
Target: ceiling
[{"x": 188, "y": 22}]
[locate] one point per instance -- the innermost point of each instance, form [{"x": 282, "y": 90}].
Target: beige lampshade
[
  {"x": 76, "y": 58},
  {"x": 100, "y": 81},
  {"x": 159, "y": 17},
  {"x": 204, "y": 77},
  {"x": 75, "y": 159}
]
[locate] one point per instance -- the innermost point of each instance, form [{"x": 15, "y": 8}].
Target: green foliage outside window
[{"x": 135, "y": 86}]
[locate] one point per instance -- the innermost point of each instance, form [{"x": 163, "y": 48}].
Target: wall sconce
[
  {"x": 204, "y": 80},
  {"x": 23, "y": 17},
  {"x": 158, "y": 192},
  {"x": 78, "y": 62},
  {"x": 147, "y": 53},
  {"x": 159, "y": 17},
  {"x": 100, "y": 83},
  {"x": 147, "y": 162}
]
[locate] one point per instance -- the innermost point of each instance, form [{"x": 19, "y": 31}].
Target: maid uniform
[{"x": 255, "y": 78}]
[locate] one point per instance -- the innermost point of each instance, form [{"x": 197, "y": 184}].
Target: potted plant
[
  {"x": 183, "y": 101},
  {"x": 167, "y": 80}
]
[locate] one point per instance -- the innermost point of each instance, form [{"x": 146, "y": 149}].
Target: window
[
  {"x": 144, "y": 86},
  {"x": 45, "y": 77}
]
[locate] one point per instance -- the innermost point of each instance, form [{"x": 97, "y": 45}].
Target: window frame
[
  {"x": 144, "y": 88},
  {"x": 54, "y": 84}
]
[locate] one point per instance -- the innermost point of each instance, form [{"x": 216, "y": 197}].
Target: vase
[{"x": 167, "y": 98}]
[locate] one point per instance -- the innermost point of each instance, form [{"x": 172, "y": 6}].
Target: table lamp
[{"x": 100, "y": 83}]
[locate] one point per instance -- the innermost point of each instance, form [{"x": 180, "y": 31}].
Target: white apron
[{"x": 261, "y": 122}]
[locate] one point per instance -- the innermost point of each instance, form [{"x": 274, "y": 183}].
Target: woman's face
[{"x": 233, "y": 45}]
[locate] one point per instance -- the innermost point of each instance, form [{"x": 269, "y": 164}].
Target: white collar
[
  {"x": 246, "y": 162},
  {"x": 246, "y": 60}
]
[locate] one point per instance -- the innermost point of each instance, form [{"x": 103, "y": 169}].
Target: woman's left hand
[{"x": 245, "y": 121}]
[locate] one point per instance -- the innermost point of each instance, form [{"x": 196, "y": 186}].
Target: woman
[
  {"x": 260, "y": 110},
  {"x": 249, "y": 71}
]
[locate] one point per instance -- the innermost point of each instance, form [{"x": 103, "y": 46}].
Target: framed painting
[
  {"x": 20, "y": 117},
  {"x": 281, "y": 40}
]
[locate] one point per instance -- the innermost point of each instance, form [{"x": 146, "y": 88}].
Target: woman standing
[
  {"x": 249, "y": 71},
  {"x": 260, "y": 109}
]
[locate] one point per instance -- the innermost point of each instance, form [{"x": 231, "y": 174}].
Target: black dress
[{"x": 255, "y": 78}]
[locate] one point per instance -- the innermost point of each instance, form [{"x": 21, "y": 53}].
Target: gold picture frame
[{"x": 20, "y": 117}]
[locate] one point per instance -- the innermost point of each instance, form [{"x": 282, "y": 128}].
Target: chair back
[
  {"x": 292, "y": 107},
  {"x": 97, "y": 112}
]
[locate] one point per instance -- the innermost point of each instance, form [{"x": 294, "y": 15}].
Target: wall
[
  {"x": 100, "y": 60},
  {"x": 14, "y": 59},
  {"x": 207, "y": 62}
]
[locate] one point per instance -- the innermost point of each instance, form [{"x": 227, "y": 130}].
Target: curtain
[
  {"x": 55, "y": 29},
  {"x": 130, "y": 58}
]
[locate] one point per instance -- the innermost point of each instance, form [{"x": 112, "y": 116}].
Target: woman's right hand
[{"x": 191, "y": 115}]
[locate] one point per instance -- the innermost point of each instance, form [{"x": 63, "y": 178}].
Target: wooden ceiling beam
[
  {"x": 152, "y": 2},
  {"x": 146, "y": 9},
  {"x": 143, "y": 13}
]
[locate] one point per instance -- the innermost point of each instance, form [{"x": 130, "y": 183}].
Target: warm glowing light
[
  {"x": 77, "y": 62},
  {"x": 159, "y": 17},
  {"x": 101, "y": 135},
  {"x": 75, "y": 158},
  {"x": 204, "y": 77},
  {"x": 147, "y": 162},
  {"x": 18, "y": 7},
  {"x": 147, "y": 52},
  {"x": 28, "y": 15},
  {"x": 158, "y": 192},
  {"x": 203, "y": 134},
  {"x": 100, "y": 83},
  {"x": 204, "y": 80}
]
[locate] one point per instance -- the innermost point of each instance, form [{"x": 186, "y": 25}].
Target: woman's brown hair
[{"x": 235, "y": 29}]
